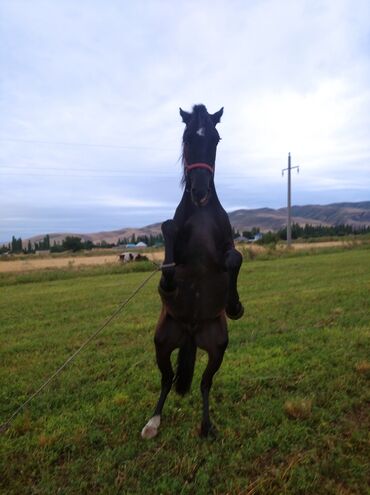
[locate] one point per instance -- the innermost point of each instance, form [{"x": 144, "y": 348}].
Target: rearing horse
[{"x": 198, "y": 286}]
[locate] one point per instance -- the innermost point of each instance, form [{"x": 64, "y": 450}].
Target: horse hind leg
[
  {"x": 214, "y": 363},
  {"x": 167, "y": 338},
  {"x": 150, "y": 430},
  {"x": 214, "y": 340}
]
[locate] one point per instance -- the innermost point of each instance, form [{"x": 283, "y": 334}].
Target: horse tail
[{"x": 185, "y": 366}]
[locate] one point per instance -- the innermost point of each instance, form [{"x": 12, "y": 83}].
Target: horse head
[{"x": 199, "y": 143}]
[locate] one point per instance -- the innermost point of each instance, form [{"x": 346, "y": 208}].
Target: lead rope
[{"x": 7, "y": 423}]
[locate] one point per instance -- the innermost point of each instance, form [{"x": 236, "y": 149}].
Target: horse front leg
[
  {"x": 233, "y": 261},
  {"x": 167, "y": 283}
]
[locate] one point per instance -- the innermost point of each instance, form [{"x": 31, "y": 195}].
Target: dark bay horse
[{"x": 198, "y": 286}]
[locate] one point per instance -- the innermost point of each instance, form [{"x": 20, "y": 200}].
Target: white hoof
[{"x": 150, "y": 430}]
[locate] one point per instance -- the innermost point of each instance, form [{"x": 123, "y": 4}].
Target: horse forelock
[{"x": 201, "y": 117}]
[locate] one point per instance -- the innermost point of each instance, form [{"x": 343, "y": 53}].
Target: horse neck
[{"x": 186, "y": 208}]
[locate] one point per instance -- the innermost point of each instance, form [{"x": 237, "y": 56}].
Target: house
[
  {"x": 132, "y": 245},
  {"x": 257, "y": 237},
  {"x": 241, "y": 238}
]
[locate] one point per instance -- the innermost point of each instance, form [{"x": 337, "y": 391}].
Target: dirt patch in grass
[
  {"x": 363, "y": 368},
  {"x": 316, "y": 245},
  {"x": 298, "y": 408},
  {"x": 358, "y": 417}
]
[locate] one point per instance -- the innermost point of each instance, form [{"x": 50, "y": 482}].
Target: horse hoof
[
  {"x": 150, "y": 430},
  {"x": 235, "y": 314},
  {"x": 208, "y": 431}
]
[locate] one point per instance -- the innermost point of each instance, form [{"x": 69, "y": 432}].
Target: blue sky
[{"x": 89, "y": 95}]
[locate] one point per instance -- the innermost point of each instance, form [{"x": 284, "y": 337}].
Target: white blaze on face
[{"x": 200, "y": 131}]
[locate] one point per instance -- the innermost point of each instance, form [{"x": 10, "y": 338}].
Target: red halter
[{"x": 199, "y": 165}]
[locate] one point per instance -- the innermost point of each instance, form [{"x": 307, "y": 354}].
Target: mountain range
[{"x": 356, "y": 214}]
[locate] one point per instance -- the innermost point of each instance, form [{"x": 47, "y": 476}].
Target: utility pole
[{"x": 289, "y": 224}]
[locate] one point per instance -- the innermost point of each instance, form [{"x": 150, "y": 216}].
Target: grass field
[{"x": 291, "y": 401}]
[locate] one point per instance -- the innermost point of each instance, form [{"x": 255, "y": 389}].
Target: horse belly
[{"x": 199, "y": 297}]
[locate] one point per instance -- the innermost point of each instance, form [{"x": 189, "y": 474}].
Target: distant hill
[
  {"x": 266, "y": 219},
  {"x": 108, "y": 236},
  {"x": 356, "y": 214}
]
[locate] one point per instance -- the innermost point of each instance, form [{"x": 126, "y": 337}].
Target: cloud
[
  {"x": 126, "y": 202},
  {"x": 293, "y": 76}
]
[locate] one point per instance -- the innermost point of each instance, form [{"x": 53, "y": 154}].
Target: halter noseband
[{"x": 199, "y": 165}]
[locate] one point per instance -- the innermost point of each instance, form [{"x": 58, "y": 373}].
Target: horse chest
[{"x": 201, "y": 243}]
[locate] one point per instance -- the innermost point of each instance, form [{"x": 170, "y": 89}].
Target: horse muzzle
[{"x": 200, "y": 198}]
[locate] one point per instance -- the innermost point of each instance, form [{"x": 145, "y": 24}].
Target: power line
[
  {"x": 132, "y": 175},
  {"x": 100, "y": 145},
  {"x": 111, "y": 173},
  {"x": 85, "y": 176},
  {"x": 60, "y": 169},
  {"x": 89, "y": 145},
  {"x": 94, "y": 172}
]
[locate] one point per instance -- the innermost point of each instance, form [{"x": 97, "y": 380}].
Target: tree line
[
  {"x": 74, "y": 243},
  {"x": 309, "y": 231},
  {"x": 150, "y": 240}
]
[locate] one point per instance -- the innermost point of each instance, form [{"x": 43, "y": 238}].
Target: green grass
[
  {"x": 52, "y": 274},
  {"x": 291, "y": 401}
]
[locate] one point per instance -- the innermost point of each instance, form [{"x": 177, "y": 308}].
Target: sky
[{"x": 90, "y": 132}]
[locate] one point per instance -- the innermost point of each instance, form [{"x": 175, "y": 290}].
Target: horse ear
[
  {"x": 216, "y": 117},
  {"x": 186, "y": 116}
]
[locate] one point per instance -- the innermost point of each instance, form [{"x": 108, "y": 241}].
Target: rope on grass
[{"x": 7, "y": 423}]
